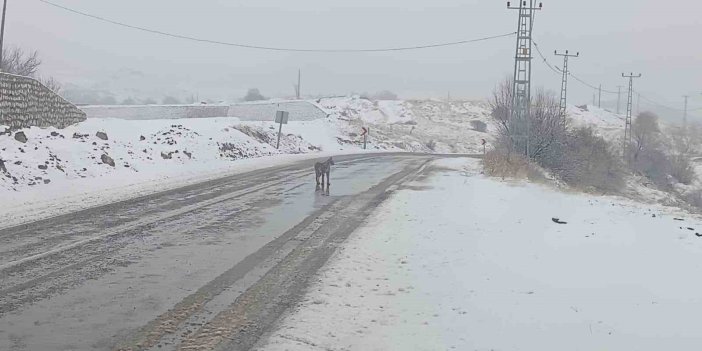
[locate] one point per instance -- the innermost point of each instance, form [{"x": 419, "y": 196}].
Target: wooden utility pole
[{"x": 2, "y": 30}]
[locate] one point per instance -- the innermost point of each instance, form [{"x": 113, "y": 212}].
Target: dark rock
[
  {"x": 18, "y": 162},
  {"x": 53, "y": 134},
  {"x": 678, "y": 219},
  {"x": 47, "y": 181},
  {"x": 101, "y": 135},
  {"x": 43, "y": 167},
  {"x": 2, "y": 166},
  {"x": 142, "y": 138},
  {"x": 189, "y": 154},
  {"x": 21, "y": 137},
  {"x": 94, "y": 143},
  {"x": 107, "y": 160},
  {"x": 556, "y": 220},
  {"x": 166, "y": 156}
]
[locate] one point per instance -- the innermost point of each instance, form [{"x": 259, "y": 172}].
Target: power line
[
  {"x": 538, "y": 50},
  {"x": 581, "y": 81},
  {"x": 659, "y": 104},
  {"x": 270, "y": 48}
]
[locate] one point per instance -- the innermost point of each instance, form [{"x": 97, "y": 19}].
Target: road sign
[
  {"x": 483, "y": 142},
  {"x": 281, "y": 117},
  {"x": 365, "y": 131}
]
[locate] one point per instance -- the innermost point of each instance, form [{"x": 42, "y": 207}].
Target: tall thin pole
[
  {"x": 599, "y": 99},
  {"x": 299, "y": 79},
  {"x": 619, "y": 96},
  {"x": 629, "y": 105},
  {"x": 564, "y": 82},
  {"x": 2, "y": 30}
]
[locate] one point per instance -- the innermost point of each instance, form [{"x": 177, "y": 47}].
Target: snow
[
  {"x": 461, "y": 261},
  {"x": 75, "y": 176}
]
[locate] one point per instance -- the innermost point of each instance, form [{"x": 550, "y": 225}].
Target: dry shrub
[{"x": 478, "y": 126}]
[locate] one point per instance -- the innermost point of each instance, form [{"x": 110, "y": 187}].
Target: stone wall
[
  {"x": 25, "y": 102},
  {"x": 265, "y": 110},
  {"x": 252, "y": 111},
  {"x": 146, "y": 112}
]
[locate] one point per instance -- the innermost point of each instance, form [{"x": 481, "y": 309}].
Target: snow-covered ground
[
  {"x": 460, "y": 261},
  {"x": 57, "y": 171}
]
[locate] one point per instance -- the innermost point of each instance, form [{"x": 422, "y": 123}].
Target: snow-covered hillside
[
  {"x": 423, "y": 126},
  {"x": 140, "y": 156}
]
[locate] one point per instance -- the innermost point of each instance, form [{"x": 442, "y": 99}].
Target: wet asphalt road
[{"x": 204, "y": 267}]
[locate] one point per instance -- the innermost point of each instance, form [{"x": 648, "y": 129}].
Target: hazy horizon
[{"x": 641, "y": 37}]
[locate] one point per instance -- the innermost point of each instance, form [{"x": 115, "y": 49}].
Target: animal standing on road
[{"x": 321, "y": 169}]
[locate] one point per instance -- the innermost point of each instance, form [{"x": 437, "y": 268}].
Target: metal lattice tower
[
  {"x": 564, "y": 81},
  {"x": 629, "y": 105},
  {"x": 521, "y": 91}
]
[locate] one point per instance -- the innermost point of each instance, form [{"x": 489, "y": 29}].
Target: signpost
[
  {"x": 365, "y": 136},
  {"x": 483, "y": 142},
  {"x": 281, "y": 117}
]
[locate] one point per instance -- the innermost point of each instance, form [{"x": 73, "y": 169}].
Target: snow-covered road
[
  {"x": 165, "y": 271},
  {"x": 460, "y": 261}
]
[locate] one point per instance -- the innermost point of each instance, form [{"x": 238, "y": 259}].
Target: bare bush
[
  {"x": 16, "y": 61},
  {"x": 170, "y": 100},
  {"x": 681, "y": 169},
  {"x": 431, "y": 145},
  {"x": 645, "y": 132},
  {"x": 52, "y": 84},
  {"x": 587, "y": 160},
  {"x": 663, "y": 163},
  {"x": 478, "y": 126},
  {"x": 254, "y": 95},
  {"x": 694, "y": 198},
  {"x": 501, "y": 162},
  {"x": 544, "y": 127}
]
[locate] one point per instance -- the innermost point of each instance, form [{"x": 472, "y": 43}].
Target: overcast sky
[{"x": 660, "y": 39}]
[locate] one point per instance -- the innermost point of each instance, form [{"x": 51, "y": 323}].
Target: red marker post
[{"x": 365, "y": 136}]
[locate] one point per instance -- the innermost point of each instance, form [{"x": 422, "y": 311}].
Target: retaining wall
[
  {"x": 254, "y": 111},
  {"x": 156, "y": 111},
  {"x": 25, "y": 102}
]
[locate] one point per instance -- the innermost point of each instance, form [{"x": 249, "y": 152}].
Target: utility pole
[
  {"x": 2, "y": 30},
  {"x": 298, "y": 93},
  {"x": 599, "y": 99},
  {"x": 685, "y": 111},
  {"x": 619, "y": 96},
  {"x": 627, "y": 123},
  {"x": 521, "y": 90},
  {"x": 564, "y": 82}
]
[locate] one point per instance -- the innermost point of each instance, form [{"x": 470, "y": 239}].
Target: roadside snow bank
[
  {"x": 59, "y": 170},
  {"x": 471, "y": 263}
]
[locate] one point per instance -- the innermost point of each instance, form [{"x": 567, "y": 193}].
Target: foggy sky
[{"x": 659, "y": 39}]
